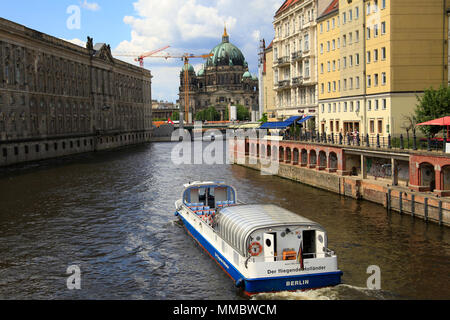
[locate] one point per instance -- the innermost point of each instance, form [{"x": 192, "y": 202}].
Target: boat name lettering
[
  {"x": 298, "y": 269},
  {"x": 297, "y": 283}
]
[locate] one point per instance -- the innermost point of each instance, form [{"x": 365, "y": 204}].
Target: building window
[
  {"x": 380, "y": 126},
  {"x": 369, "y": 81},
  {"x": 383, "y": 27},
  {"x": 372, "y": 126},
  {"x": 356, "y": 13},
  {"x": 383, "y": 78},
  {"x": 383, "y": 4},
  {"x": 321, "y": 48},
  {"x": 344, "y": 18},
  {"x": 383, "y": 53},
  {"x": 375, "y": 55},
  {"x": 375, "y": 80},
  {"x": 357, "y": 36},
  {"x": 368, "y": 33},
  {"x": 357, "y": 83},
  {"x": 369, "y": 105},
  {"x": 321, "y": 68},
  {"x": 321, "y": 27},
  {"x": 384, "y": 106},
  {"x": 375, "y": 31},
  {"x": 368, "y": 56},
  {"x": 357, "y": 59},
  {"x": 345, "y": 106}
]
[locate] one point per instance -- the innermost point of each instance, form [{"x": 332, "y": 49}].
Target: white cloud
[
  {"x": 196, "y": 26},
  {"x": 92, "y": 6},
  {"x": 77, "y": 41}
]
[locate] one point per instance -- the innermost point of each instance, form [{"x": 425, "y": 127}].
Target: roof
[
  {"x": 285, "y": 6},
  {"x": 332, "y": 8},
  {"x": 235, "y": 224}
]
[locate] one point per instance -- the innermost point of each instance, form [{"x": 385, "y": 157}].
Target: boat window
[{"x": 202, "y": 195}]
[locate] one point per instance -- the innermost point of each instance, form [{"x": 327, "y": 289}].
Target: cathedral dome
[
  {"x": 246, "y": 75},
  {"x": 189, "y": 67},
  {"x": 226, "y": 54}
]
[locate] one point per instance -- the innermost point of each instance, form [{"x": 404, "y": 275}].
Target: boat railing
[{"x": 326, "y": 254}]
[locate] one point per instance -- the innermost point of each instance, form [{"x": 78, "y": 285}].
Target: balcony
[
  {"x": 281, "y": 85},
  {"x": 296, "y": 55},
  {"x": 283, "y": 61},
  {"x": 297, "y": 81}
]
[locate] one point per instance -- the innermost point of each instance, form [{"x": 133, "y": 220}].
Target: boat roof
[
  {"x": 203, "y": 183},
  {"x": 235, "y": 224}
]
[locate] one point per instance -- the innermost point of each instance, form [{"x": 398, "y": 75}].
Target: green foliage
[
  {"x": 432, "y": 105},
  {"x": 175, "y": 116},
  {"x": 264, "y": 118},
  {"x": 210, "y": 114},
  {"x": 242, "y": 113}
]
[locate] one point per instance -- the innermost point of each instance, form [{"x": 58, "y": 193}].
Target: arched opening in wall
[
  {"x": 322, "y": 159},
  {"x": 247, "y": 148},
  {"x": 332, "y": 161},
  {"x": 445, "y": 172},
  {"x": 257, "y": 150},
  {"x": 274, "y": 153},
  {"x": 304, "y": 157},
  {"x": 281, "y": 154},
  {"x": 296, "y": 156},
  {"x": 288, "y": 155},
  {"x": 269, "y": 151},
  {"x": 427, "y": 176},
  {"x": 312, "y": 158}
]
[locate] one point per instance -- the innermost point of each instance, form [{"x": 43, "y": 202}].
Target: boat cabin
[
  {"x": 271, "y": 233},
  {"x": 210, "y": 195}
]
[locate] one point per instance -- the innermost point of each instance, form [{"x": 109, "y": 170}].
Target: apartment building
[
  {"x": 388, "y": 52},
  {"x": 295, "y": 58}
]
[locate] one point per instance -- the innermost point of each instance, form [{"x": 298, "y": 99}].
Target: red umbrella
[{"x": 444, "y": 122}]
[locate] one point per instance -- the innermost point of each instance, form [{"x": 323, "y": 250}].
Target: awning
[
  {"x": 445, "y": 121},
  {"x": 274, "y": 125},
  {"x": 304, "y": 119},
  {"x": 291, "y": 120}
]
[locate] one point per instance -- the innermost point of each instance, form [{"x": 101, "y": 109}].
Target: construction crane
[
  {"x": 140, "y": 57},
  {"x": 185, "y": 57}
]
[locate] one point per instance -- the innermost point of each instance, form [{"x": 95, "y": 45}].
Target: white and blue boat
[{"x": 263, "y": 248}]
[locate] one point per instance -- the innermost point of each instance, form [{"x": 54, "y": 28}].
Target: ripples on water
[{"x": 111, "y": 213}]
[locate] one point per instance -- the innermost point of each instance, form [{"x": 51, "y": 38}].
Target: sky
[{"x": 137, "y": 26}]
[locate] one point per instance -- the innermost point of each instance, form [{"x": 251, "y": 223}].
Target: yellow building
[
  {"x": 268, "y": 92},
  {"x": 391, "y": 51}
]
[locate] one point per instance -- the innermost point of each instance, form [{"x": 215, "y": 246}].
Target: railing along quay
[{"x": 370, "y": 141}]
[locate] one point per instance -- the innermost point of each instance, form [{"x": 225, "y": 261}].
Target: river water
[{"x": 111, "y": 214}]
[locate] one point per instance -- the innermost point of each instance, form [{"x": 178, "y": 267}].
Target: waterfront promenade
[{"x": 408, "y": 181}]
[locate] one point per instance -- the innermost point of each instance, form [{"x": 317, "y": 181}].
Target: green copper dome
[
  {"x": 246, "y": 75},
  {"x": 201, "y": 72},
  {"x": 226, "y": 54},
  {"x": 189, "y": 67}
]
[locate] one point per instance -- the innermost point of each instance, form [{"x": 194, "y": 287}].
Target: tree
[
  {"x": 210, "y": 114},
  {"x": 175, "y": 116},
  {"x": 433, "y": 104},
  {"x": 242, "y": 113},
  {"x": 264, "y": 118}
]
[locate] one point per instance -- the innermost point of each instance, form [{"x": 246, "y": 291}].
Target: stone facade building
[
  {"x": 57, "y": 98},
  {"x": 223, "y": 81}
]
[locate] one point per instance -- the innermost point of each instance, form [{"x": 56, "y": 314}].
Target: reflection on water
[{"x": 111, "y": 213}]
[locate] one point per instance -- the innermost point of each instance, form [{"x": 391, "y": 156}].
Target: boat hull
[{"x": 269, "y": 284}]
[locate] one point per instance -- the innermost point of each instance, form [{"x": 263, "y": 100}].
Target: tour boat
[{"x": 262, "y": 247}]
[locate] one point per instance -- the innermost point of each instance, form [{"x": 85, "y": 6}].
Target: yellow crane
[
  {"x": 185, "y": 57},
  {"x": 140, "y": 56}
]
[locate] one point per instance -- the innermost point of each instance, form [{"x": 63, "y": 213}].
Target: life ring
[{"x": 255, "y": 249}]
